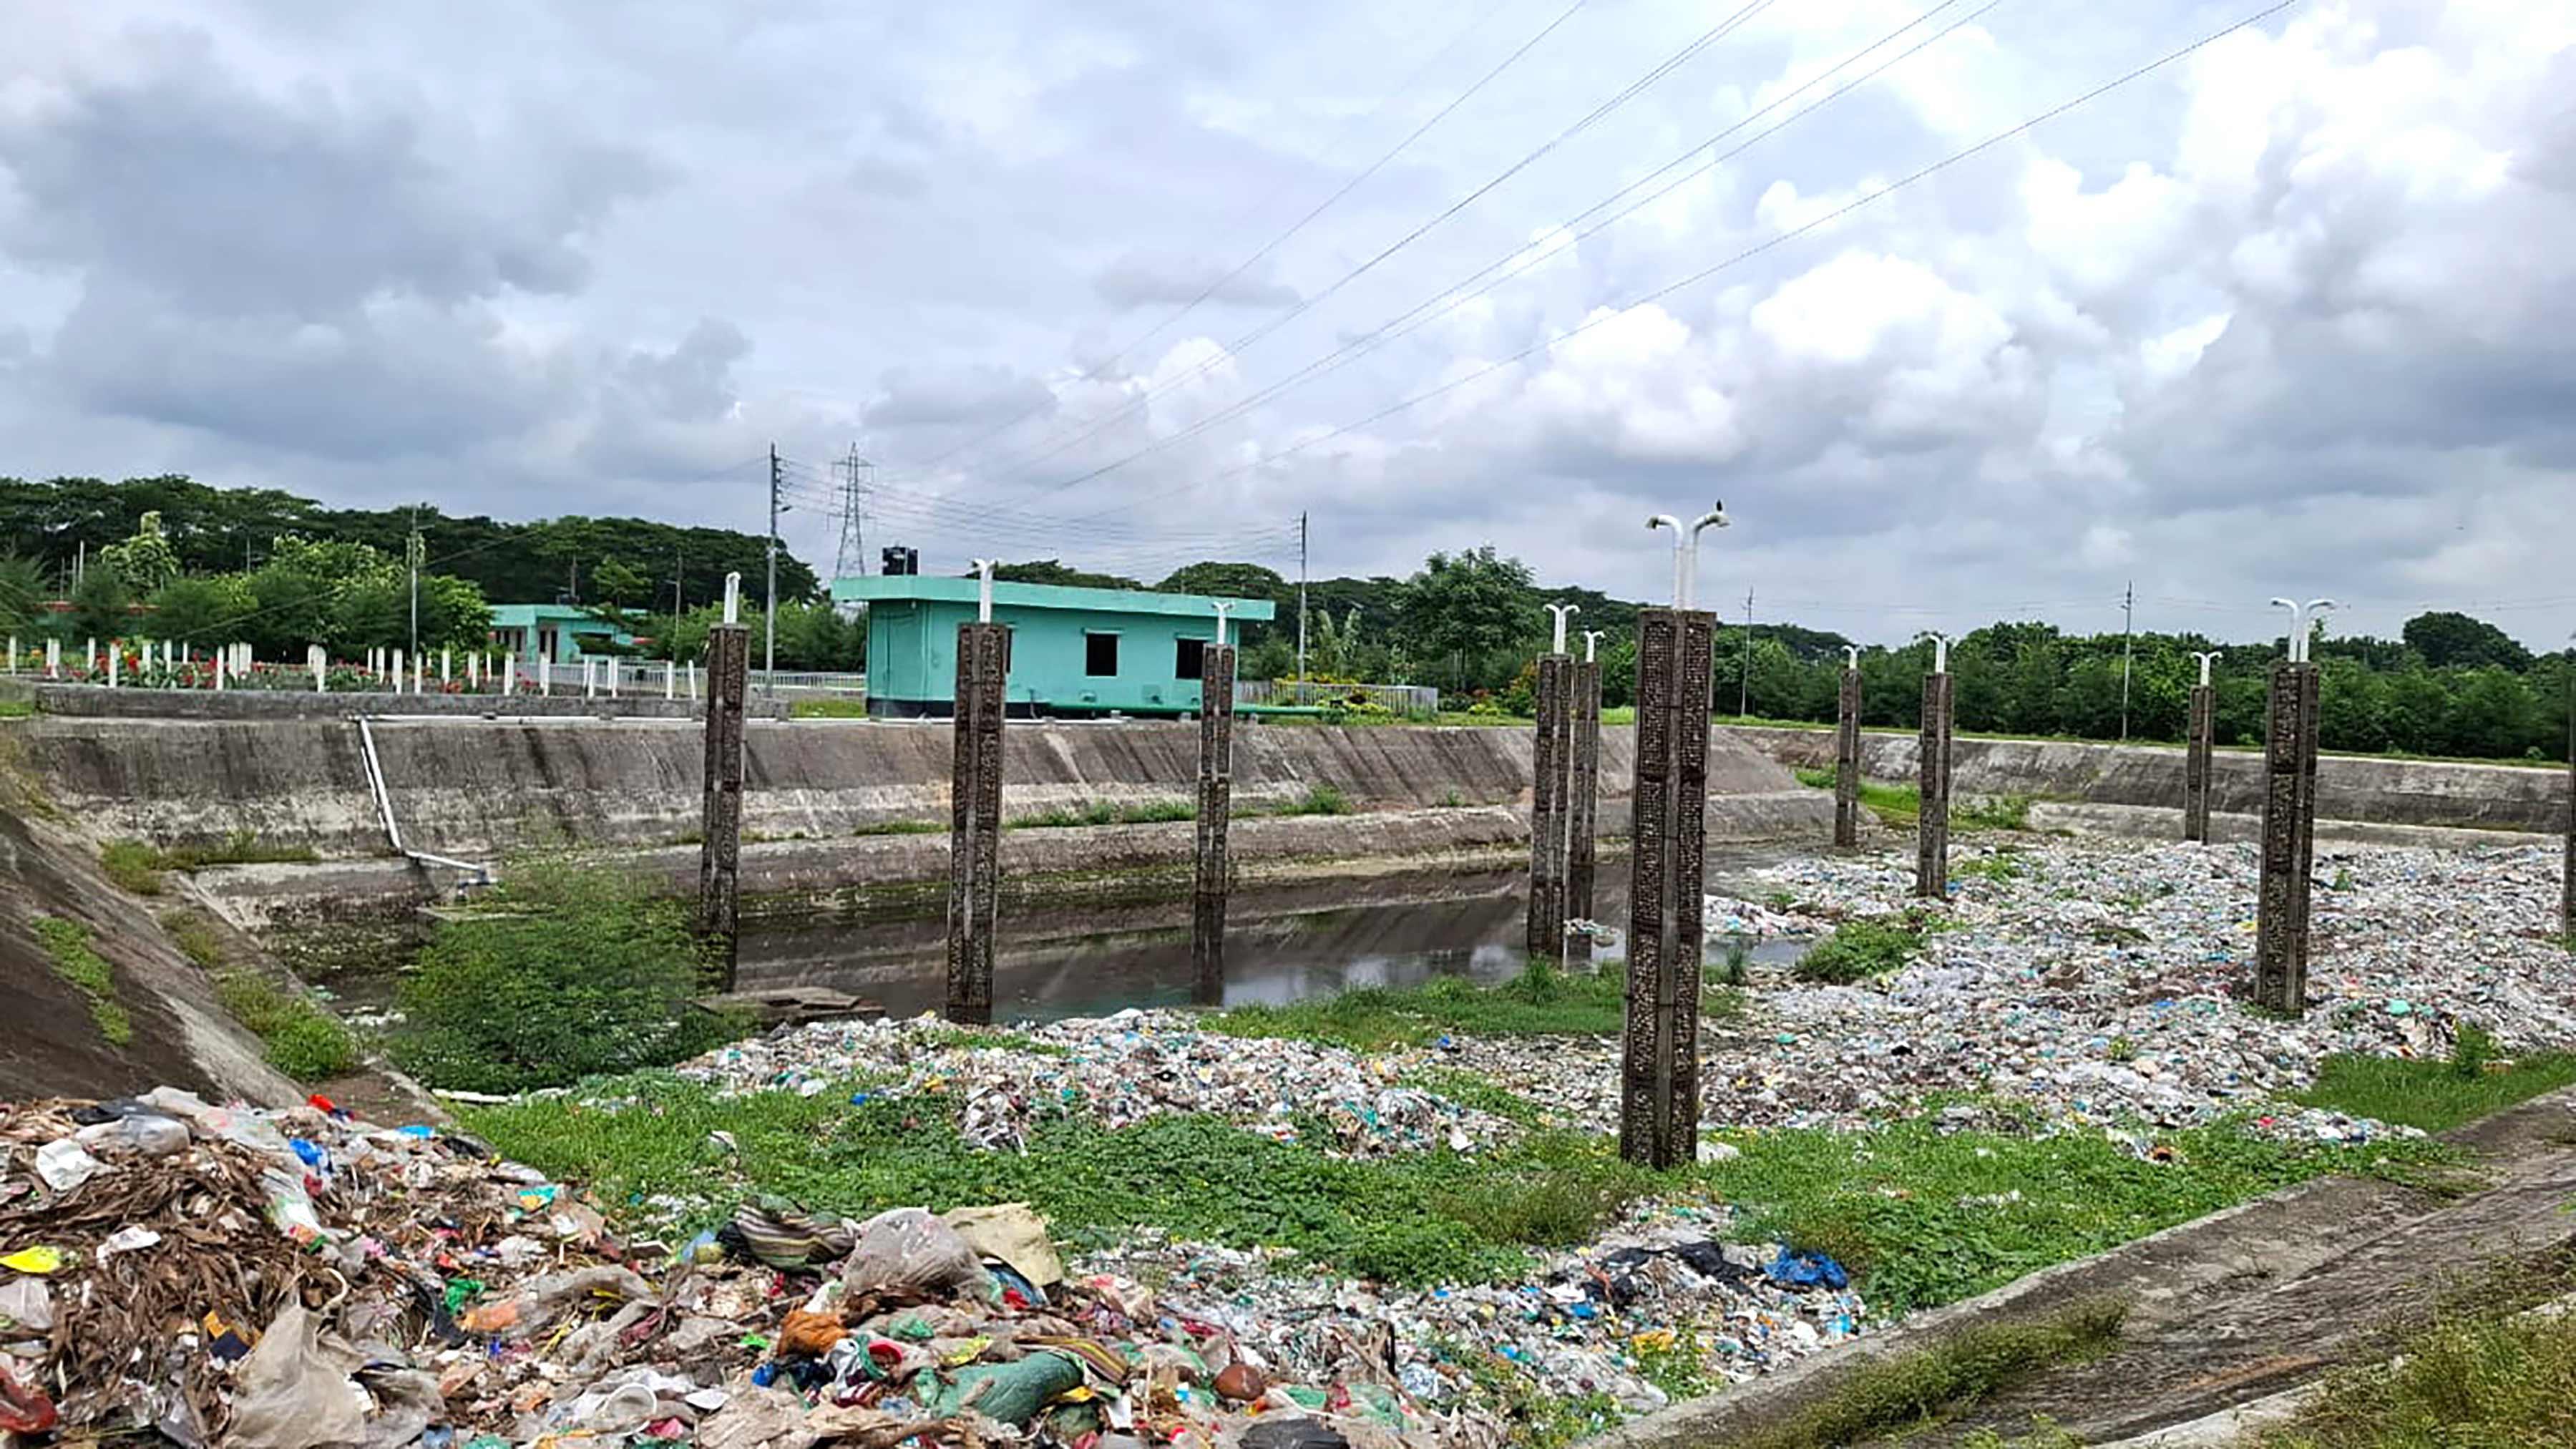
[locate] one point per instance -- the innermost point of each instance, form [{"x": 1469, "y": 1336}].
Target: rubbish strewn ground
[{"x": 691, "y": 1260}]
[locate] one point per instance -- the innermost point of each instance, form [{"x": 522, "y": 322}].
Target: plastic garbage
[
  {"x": 908, "y": 1248},
  {"x": 1010, "y": 1392},
  {"x": 40, "y": 1260},
  {"x": 1014, "y": 1233},
  {"x": 64, "y": 1165},
  {"x": 782, "y": 1234},
  {"x": 1798, "y": 1268},
  {"x": 1293, "y": 1433},
  {"x": 127, "y": 1239},
  {"x": 293, "y": 1390},
  {"x": 758, "y": 1418},
  {"x": 549, "y": 1297},
  {"x": 24, "y": 1410},
  {"x": 26, "y": 1306}
]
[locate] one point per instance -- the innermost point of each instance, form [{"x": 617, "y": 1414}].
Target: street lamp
[
  {"x": 1940, "y": 650},
  {"x": 2299, "y": 616},
  {"x": 1591, "y": 638},
  {"x": 984, "y": 590},
  {"x": 1686, "y": 549},
  {"x": 1558, "y": 613},
  {"x": 1223, "y": 607},
  {"x": 2205, "y": 661}
]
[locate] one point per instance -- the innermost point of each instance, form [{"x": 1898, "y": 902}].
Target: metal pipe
[{"x": 1559, "y": 612}]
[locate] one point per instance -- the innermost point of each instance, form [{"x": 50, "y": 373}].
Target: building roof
[
  {"x": 931, "y": 588},
  {"x": 516, "y": 616}
]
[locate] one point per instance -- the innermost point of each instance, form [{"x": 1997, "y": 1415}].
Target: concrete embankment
[{"x": 2379, "y": 791}]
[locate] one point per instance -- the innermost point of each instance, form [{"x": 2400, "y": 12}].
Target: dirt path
[{"x": 2228, "y": 1309}]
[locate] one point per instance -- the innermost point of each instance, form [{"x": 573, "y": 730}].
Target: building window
[
  {"x": 1189, "y": 659},
  {"x": 1100, "y": 655}
]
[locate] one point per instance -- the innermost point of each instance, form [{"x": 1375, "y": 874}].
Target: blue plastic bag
[{"x": 1795, "y": 1268}]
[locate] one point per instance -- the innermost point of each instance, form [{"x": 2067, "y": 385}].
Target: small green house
[
  {"x": 1073, "y": 651},
  {"x": 554, "y": 631}
]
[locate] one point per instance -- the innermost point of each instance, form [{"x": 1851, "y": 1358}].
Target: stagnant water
[{"x": 1282, "y": 944}]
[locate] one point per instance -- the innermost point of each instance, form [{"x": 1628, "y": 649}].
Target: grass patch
[
  {"x": 1319, "y": 799},
  {"x": 1922, "y": 1388},
  {"x": 196, "y": 938},
  {"x": 1421, "y": 1218},
  {"x": 1542, "y": 1001},
  {"x": 1899, "y": 806},
  {"x": 17, "y": 709},
  {"x": 137, "y": 865},
  {"x": 302, "y": 1040},
  {"x": 2433, "y": 1095},
  {"x": 968, "y": 1038},
  {"x": 2473, "y": 1377},
  {"x": 837, "y": 707},
  {"x": 1859, "y": 950},
  {"x": 1924, "y": 1218},
  {"x": 1991, "y": 812},
  {"x": 1103, "y": 812},
  {"x": 133, "y": 865},
  {"x": 898, "y": 827},
  {"x": 1999, "y": 867},
  {"x": 78, "y": 963},
  {"x": 1476, "y": 1090}
]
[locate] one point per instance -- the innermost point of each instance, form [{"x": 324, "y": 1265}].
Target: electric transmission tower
[{"x": 857, "y": 476}]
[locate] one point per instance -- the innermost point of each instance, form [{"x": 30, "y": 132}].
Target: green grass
[
  {"x": 1859, "y": 950},
  {"x": 900, "y": 827},
  {"x": 17, "y": 708},
  {"x": 1921, "y": 1388},
  {"x": 1991, "y": 812},
  {"x": 67, "y": 943},
  {"x": 196, "y": 938},
  {"x": 1318, "y": 800},
  {"x": 1541, "y": 1001},
  {"x": 2433, "y": 1095},
  {"x": 969, "y": 1038},
  {"x": 1899, "y": 805},
  {"x": 837, "y": 707},
  {"x": 1924, "y": 1218},
  {"x": 137, "y": 865},
  {"x": 1422, "y": 1218},
  {"x": 2476, "y": 1376},
  {"x": 302, "y": 1040},
  {"x": 1103, "y": 812}
]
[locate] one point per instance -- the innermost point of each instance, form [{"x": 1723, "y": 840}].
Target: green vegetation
[
  {"x": 1103, "y": 812},
  {"x": 2475, "y": 1376},
  {"x": 896, "y": 827},
  {"x": 2000, "y": 866},
  {"x": 836, "y": 706},
  {"x": 1926, "y": 1218},
  {"x": 1861, "y": 949},
  {"x": 303, "y": 1040},
  {"x": 1922, "y": 1388},
  {"x": 967, "y": 1038},
  {"x": 196, "y": 938},
  {"x": 1420, "y": 1218},
  {"x": 2435, "y": 1095},
  {"x": 1991, "y": 812},
  {"x": 67, "y": 943},
  {"x": 1319, "y": 799},
  {"x": 573, "y": 970},
  {"x": 1542, "y": 1001},
  {"x": 1900, "y": 805},
  {"x": 137, "y": 865},
  {"x": 17, "y": 708}
]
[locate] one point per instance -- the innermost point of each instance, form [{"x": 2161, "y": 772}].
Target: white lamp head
[
  {"x": 1591, "y": 641},
  {"x": 2205, "y": 661},
  {"x": 984, "y": 590},
  {"x": 1223, "y": 607},
  {"x": 1558, "y": 613},
  {"x": 1851, "y": 656},
  {"x": 733, "y": 599},
  {"x": 1940, "y": 650}
]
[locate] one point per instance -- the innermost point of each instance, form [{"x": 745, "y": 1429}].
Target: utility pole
[
  {"x": 769, "y": 610},
  {"x": 1301, "y": 606},
  {"x": 1744, "y": 691},
  {"x": 2128, "y": 613},
  {"x": 411, "y": 556},
  {"x": 678, "y": 572}
]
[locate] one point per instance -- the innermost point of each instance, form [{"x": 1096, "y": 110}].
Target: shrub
[
  {"x": 572, "y": 970},
  {"x": 1859, "y": 950},
  {"x": 2471, "y": 1048},
  {"x": 302, "y": 1040}
]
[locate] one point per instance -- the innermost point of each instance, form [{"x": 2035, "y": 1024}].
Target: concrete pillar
[
  {"x": 418, "y": 663},
  {"x": 219, "y": 674},
  {"x": 53, "y": 659},
  {"x": 720, "y": 832},
  {"x": 975, "y": 819},
  {"x": 321, "y": 662},
  {"x": 446, "y": 664},
  {"x": 546, "y": 673},
  {"x": 589, "y": 678},
  {"x": 13, "y": 654},
  {"x": 113, "y": 655},
  {"x": 1549, "y": 762},
  {"x": 2567, "y": 886},
  {"x": 2196, "y": 763},
  {"x": 2289, "y": 839},
  {"x": 1215, "y": 808},
  {"x": 1583, "y": 793},
  {"x": 1847, "y": 760},
  {"x": 1932, "y": 829},
  {"x": 1659, "y": 1059}
]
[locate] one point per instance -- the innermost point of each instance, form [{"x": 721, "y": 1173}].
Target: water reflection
[{"x": 1282, "y": 944}]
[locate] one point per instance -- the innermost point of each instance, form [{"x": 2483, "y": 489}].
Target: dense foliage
[{"x": 566, "y": 970}]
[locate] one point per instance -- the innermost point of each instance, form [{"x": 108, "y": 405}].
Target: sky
[{"x": 1135, "y": 284}]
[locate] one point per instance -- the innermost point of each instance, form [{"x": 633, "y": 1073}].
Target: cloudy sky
[{"x": 1134, "y": 283}]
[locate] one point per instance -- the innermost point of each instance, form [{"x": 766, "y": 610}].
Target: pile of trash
[
  {"x": 1117, "y": 1070},
  {"x": 275, "y": 1280},
  {"x": 2104, "y": 984}
]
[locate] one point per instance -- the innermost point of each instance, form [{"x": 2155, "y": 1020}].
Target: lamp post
[
  {"x": 1686, "y": 549},
  {"x": 2197, "y": 752},
  {"x": 2289, "y": 820},
  {"x": 1932, "y": 768}
]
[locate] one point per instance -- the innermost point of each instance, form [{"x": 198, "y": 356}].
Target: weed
[
  {"x": 837, "y": 707},
  {"x": 900, "y": 827},
  {"x": 1103, "y": 812},
  {"x": 1859, "y": 950},
  {"x": 1998, "y": 867},
  {"x": 2433, "y": 1095},
  {"x": 2472, "y": 1047},
  {"x": 1895, "y": 805},
  {"x": 17, "y": 708},
  {"x": 1476, "y": 1091},
  {"x": 2474, "y": 1376},
  {"x": 1319, "y": 799},
  {"x": 2121, "y": 1049},
  {"x": 1992, "y": 812},
  {"x": 134, "y": 865},
  {"x": 303, "y": 1041},
  {"x": 1735, "y": 961},
  {"x": 78, "y": 963},
  {"x": 2342, "y": 879},
  {"x": 1931, "y": 1383},
  {"x": 196, "y": 938},
  {"x": 967, "y": 1038},
  {"x": 1542, "y": 1001},
  {"x": 1451, "y": 799}
]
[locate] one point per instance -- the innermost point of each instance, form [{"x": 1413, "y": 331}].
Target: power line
[
  {"x": 1768, "y": 244},
  {"x": 1627, "y": 93},
  {"x": 1299, "y": 225}
]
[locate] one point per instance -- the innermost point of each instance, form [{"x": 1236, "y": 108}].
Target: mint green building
[
  {"x": 552, "y": 631},
  {"x": 1073, "y": 651}
]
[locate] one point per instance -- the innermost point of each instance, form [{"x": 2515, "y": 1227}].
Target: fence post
[
  {"x": 975, "y": 820},
  {"x": 1659, "y": 1072},
  {"x": 720, "y": 836},
  {"x": 1584, "y": 776},
  {"x": 1932, "y": 820},
  {"x": 2289, "y": 838},
  {"x": 1215, "y": 807},
  {"x": 1847, "y": 752}
]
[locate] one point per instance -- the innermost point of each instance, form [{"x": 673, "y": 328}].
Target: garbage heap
[{"x": 226, "y": 1276}]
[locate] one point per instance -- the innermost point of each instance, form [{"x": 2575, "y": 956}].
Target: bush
[
  {"x": 1859, "y": 950},
  {"x": 302, "y": 1040},
  {"x": 571, "y": 971}
]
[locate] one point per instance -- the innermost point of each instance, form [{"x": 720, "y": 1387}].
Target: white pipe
[
  {"x": 1591, "y": 637},
  {"x": 1559, "y": 613},
  {"x": 984, "y": 590},
  {"x": 385, "y": 810},
  {"x": 1851, "y": 657},
  {"x": 53, "y": 659},
  {"x": 219, "y": 674},
  {"x": 670, "y": 679},
  {"x": 1686, "y": 550},
  {"x": 2204, "y": 664},
  {"x": 2299, "y": 616},
  {"x": 1940, "y": 650},
  {"x": 733, "y": 599},
  {"x": 545, "y": 674}
]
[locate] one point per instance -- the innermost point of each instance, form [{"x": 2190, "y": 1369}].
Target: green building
[
  {"x": 1073, "y": 651},
  {"x": 553, "y": 631}
]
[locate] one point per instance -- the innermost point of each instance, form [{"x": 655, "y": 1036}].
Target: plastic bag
[
  {"x": 1010, "y": 1392},
  {"x": 1796, "y": 1268},
  {"x": 64, "y": 1166},
  {"x": 27, "y": 1305},
  {"x": 293, "y": 1391},
  {"x": 1014, "y": 1233},
  {"x": 1279, "y": 1433},
  {"x": 23, "y": 1410},
  {"x": 546, "y": 1299},
  {"x": 908, "y": 1248}
]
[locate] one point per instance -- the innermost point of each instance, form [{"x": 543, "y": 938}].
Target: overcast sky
[{"x": 2294, "y": 314}]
